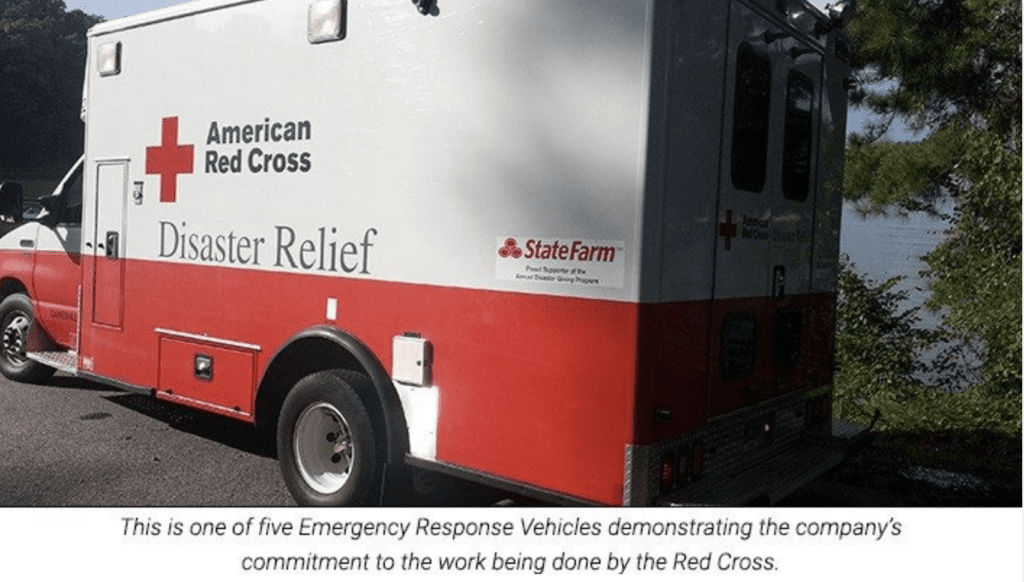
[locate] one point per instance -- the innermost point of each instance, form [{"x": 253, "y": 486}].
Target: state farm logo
[
  {"x": 510, "y": 249},
  {"x": 575, "y": 251}
]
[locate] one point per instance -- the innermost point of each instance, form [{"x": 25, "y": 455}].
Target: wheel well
[
  {"x": 328, "y": 349},
  {"x": 9, "y": 287}
]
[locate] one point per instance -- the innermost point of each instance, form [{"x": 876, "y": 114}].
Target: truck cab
[{"x": 40, "y": 250}]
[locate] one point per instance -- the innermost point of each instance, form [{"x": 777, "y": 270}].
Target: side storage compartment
[{"x": 207, "y": 375}]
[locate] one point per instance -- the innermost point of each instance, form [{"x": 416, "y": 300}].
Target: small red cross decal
[
  {"x": 169, "y": 159},
  {"x": 727, "y": 230}
]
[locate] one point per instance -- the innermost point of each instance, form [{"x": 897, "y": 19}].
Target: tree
[
  {"x": 877, "y": 369},
  {"x": 42, "y": 67},
  {"x": 951, "y": 71}
]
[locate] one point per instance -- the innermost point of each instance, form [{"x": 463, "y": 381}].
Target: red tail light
[{"x": 667, "y": 477}]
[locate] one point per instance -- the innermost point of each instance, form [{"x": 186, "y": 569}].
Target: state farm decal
[
  {"x": 561, "y": 261},
  {"x": 324, "y": 249},
  {"x": 278, "y": 153}
]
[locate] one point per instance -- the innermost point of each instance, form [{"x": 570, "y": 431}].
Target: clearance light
[
  {"x": 327, "y": 20},
  {"x": 109, "y": 59}
]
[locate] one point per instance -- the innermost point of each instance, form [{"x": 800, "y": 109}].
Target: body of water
[{"x": 884, "y": 247}]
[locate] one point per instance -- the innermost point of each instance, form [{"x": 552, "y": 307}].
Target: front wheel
[
  {"x": 15, "y": 322},
  {"x": 326, "y": 444}
]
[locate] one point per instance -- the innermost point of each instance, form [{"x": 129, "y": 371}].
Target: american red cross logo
[
  {"x": 727, "y": 230},
  {"x": 169, "y": 159}
]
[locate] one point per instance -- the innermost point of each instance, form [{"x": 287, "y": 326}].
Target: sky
[{"x": 111, "y": 9}]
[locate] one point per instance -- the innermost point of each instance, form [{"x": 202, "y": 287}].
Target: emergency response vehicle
[{"x": 585, "y": 251}]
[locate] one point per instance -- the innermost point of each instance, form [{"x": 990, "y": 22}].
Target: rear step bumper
[
  {"x": 770, "y": 481},
  {"x": 758, "y": 454},
  {"x": 775, "y": 478}
]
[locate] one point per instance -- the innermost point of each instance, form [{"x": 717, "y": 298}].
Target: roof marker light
[
  {"x": 327, "y": 20},
  {"x": 108, "y": 60}
]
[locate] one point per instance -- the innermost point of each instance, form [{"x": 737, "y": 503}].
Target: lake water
[{"x": 884, "y": 247}]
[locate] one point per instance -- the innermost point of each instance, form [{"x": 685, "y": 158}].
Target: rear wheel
[
  {"x": 326, "y": 444},
  {"x": 15, "y": 322}
]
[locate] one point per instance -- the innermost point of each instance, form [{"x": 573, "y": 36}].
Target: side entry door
[{"x": 107, "y": 243}]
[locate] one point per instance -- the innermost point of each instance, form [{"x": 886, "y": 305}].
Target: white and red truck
[{"x": 585, "y": 251}]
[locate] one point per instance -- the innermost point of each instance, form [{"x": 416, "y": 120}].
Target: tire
[
  {"x": 326, "y": 444},
  {"x": 15, "y": 322}
]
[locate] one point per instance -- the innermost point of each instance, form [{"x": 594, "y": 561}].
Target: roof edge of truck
[
  {"x": 199, "y": 6},
  {"x": 163, "y": 14}
]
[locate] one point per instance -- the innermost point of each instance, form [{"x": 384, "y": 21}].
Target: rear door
[{"x": 765, "y": 212}]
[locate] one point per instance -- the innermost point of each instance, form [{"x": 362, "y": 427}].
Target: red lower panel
[
  {"x": 681, "y": 379},
  {"x": 532, "y": 388},
  {"x": 540, "y": 389},
  {"x": 782, "y": 359}
]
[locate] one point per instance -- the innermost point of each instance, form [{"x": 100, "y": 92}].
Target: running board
[{"x": 62, "y": 361}]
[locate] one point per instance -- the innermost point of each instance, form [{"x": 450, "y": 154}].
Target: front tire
[
  {"x": 326, "y": 444},
  {"x": 15, "y": 322}
]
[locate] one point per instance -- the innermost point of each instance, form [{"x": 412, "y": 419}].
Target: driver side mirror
[{"x": 11, "y": 204}]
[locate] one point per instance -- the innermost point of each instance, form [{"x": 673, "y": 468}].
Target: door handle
[
  {"x": 779, "y": 283},
  {"x": 111, "y": 246}
]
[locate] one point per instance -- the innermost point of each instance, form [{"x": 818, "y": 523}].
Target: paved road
[{"x": 75, "y": 443}]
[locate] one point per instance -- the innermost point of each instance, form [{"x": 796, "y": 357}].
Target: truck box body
[{"x": 572, "y": 237}]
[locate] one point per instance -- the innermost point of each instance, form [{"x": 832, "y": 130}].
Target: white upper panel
[{"x": 409, "y": 151}]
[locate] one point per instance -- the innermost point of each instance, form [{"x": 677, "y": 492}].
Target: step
[{"x": 62, "y": 361}]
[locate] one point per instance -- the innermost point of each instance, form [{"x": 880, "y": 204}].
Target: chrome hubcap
[
  {"x": 323, "y": 448},
  {"x": 14, "y": 339}
]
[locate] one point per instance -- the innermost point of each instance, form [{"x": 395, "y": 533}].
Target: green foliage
[
  {"x": 977, "y": 270},
  {"x": 951, "y": 70},
  {"x": 42, "y": 65},
  {"x": 904, "y": 177},
  {"x": 877, "y": 344},
  {"x": 940, "y": 61}
]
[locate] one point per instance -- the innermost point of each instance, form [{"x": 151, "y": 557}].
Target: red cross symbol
[
  {"x": 727, "y": 230},
  {"x": 169, "y": 159}
]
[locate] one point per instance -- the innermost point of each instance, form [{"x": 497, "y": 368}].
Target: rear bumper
[
  {"x": 761, "y": 454},
  {"x": 769, "y": 481}
]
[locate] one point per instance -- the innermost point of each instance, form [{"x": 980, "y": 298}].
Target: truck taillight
[
  {"x": 681, "y": 466},
  {"x": 667, "y": 475}
]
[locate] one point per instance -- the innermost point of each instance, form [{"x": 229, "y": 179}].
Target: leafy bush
[{"x": 879, "y": 367}]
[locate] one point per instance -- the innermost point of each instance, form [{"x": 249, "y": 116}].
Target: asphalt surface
[{"x": 73, "y": 443}]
